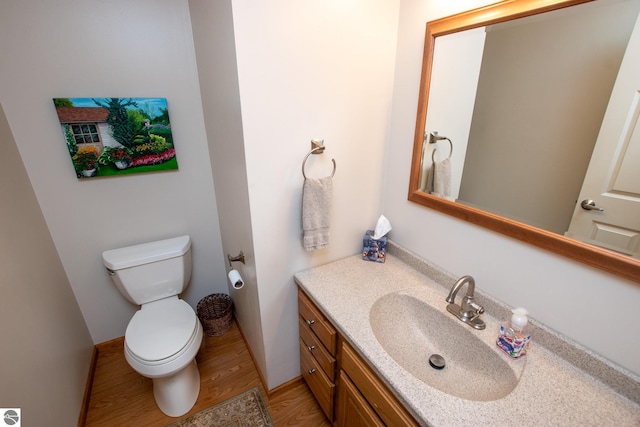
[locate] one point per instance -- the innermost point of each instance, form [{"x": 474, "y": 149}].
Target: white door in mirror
[{"x": 613, "y": 220}]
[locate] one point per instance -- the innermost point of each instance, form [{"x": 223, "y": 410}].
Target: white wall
[
  {"x": 214, "y": 42},
  {"x": 310, "y": 69},
  {"x": 578, "y": 301},
  {"x": 80, "y": 48},
  {"x": 46, "y": 347}
]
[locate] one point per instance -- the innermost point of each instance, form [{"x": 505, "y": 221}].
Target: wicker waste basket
[{"x": 215, "y": 312}]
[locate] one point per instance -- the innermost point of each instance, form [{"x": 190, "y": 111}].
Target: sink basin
[{"x": 410, "y": 330}]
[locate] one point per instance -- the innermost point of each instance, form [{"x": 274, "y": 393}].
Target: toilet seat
[
  {"x": 169, "y": 366},
  {"x": 161, "y": 330}
]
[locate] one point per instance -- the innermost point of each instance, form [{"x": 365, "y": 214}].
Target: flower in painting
[
  {"x": 86, "y": 158},
  {"x": 115, "y": 154}
]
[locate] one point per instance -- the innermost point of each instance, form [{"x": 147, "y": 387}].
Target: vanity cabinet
[{"x": 341, "y": 381}]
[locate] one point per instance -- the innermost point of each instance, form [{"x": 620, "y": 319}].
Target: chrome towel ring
[
  {"x": 433, "y": 153},
  {"x": 433, "y": 138},
  {"x": 317, "y": 147}
]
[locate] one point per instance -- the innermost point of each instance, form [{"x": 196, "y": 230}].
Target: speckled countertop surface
[{"x": 560, "y": 382}]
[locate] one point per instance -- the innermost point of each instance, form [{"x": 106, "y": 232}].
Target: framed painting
[{"x": 116, "y": 136}]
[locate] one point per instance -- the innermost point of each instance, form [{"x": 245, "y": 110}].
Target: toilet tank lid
[{"x": 131, "y": 256}]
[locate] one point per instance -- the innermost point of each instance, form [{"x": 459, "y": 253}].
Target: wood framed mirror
[{"x": 608, "y": 260}]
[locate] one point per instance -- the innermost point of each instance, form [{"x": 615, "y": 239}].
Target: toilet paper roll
[{"x": 235, "y": 279}]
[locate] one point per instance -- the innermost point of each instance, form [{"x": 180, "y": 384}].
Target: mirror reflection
[{"x": 515, "y": 111}]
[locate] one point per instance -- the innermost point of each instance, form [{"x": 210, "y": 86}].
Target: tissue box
[{"x": 372, "y": 249}]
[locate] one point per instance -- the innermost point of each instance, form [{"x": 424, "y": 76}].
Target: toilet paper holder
[{"x": 239, "y": 257}]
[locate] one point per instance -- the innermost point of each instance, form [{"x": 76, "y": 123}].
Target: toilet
[{"x": 164, "y": 336}]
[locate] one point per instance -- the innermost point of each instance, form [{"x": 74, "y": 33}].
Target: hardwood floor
[{"x": 121, "y": 397}]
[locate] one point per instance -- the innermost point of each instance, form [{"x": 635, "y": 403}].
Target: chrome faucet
[{"x": 469, "y": 312}]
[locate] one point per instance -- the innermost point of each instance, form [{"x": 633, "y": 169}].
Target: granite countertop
[{"x": 561, "y": 383}]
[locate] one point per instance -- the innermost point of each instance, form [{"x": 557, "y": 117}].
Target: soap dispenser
[{"x": 511, "y": 337}]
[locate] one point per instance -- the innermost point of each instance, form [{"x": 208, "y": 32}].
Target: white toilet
[{"x": 164, "y": 336}]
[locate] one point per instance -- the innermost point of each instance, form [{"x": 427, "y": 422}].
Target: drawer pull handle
[
  {"x": 310, "y": 322},
  {"x": 311, "y": 347},
  {"x": 311, "y": 371}
]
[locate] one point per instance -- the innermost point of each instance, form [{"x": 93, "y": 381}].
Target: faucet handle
[
  {"x": 469, "y": 306},
  {"x": 478, "y": 308}
]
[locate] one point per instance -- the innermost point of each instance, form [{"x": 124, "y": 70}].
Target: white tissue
[
  {"x": 383, "y": 226},
  {"x": 235, "y": 279}
]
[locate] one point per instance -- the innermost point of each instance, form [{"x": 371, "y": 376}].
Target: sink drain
[{"x": 436, "y": 361}]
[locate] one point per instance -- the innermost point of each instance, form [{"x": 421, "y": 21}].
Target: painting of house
[{"x": 115, "y": 136}]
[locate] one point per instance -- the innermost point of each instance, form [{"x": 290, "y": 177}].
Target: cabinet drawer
[
  {"x": 317, "y": 323},
  {"x": 379, "y": 397},
  {"x": 312, "y": 345},
  {"x": 321, "y": 387}
]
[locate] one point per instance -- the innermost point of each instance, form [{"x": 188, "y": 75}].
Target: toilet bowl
[
  {"x": 161, "y": 343},
  {"x": 164, "y": 336}
]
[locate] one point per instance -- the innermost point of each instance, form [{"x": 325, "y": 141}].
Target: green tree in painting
[
  {"x": 71, "y": 141},
  {"x": 62, "y": 102},
  {"x": 122, "y": 128},
  {"x": 163, "y": 118},
  {"x": 137, "y": 118}
]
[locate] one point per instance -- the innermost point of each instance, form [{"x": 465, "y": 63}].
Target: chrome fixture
[
  {"x": 469, "y": 312},
  {"x": 590, "y": 205},
  {"x": 317, "y": 147},
  {"x": 437, "y": 362},
  {"x": 433, "y": 137},
  {"x": 239, "y": 257}
]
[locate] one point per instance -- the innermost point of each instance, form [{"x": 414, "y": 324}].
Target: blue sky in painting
[{"x": 149, "y": 105}]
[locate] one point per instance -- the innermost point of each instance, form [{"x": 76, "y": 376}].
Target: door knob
[{"x": 590, "y": 205}]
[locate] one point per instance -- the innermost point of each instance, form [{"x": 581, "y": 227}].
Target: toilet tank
[{"x": 150, "y": 271}]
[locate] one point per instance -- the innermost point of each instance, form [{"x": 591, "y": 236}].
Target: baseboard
[
  {"x": 104, "y": 347},
  {"x": 253, "y": 359},
  {"x": 279, "y": 389},
  {"x": 84, "y": 409},
  {"x": 116, "y": 344},
  {"x": 283, "y": 388}
]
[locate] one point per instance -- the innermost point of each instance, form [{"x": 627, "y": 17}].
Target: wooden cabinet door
[
  {"x": 388, "y": 408},
  {"x": 352, "y": 409}
]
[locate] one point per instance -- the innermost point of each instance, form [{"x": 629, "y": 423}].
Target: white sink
[{"x": 411, "y": 330}]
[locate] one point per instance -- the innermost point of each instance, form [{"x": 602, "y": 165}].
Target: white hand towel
[
  {"x": 316, "y": 210},
  {"x": 428, "y": 186},
  {"x": 442, "y": 178}
]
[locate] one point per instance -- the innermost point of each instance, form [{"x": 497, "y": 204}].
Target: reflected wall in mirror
[{"x": 522, "y": 147}]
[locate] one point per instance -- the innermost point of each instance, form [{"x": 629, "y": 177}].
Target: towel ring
[
  {"x": 313, "y": 151},
  {"x": 433, "y": 153}
]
